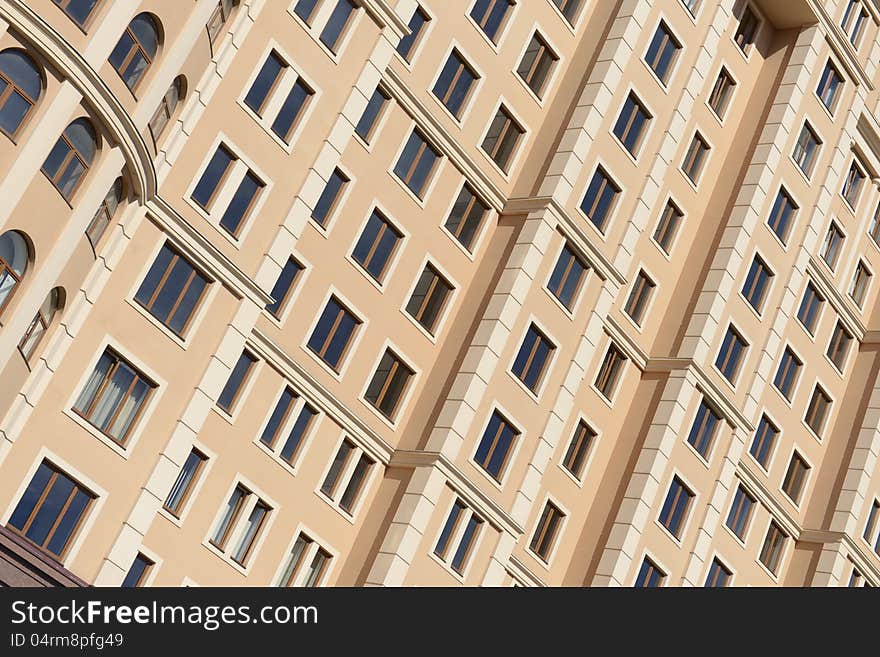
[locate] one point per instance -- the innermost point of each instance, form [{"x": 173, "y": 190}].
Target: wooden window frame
[
  {"x": 795, "y": 479},
  {"x": 544, "y": 51},
  {"x": 790, "y": 362},
  {"x": 484, "y": 19},
  {"x": 640, "y": 297},
  {"x": 738, "y": 509},
  {"x": 773, "y": 547},
  {"x": 413, "y": 166},
  {"x": 221, "y": 181},
  {"x": 813, "y": 408},
  {"x": 607, "y": 182},
  {"x": 722, "y": 92},
  {"x": 511, "y": 126},
  {"x": 386, "y": 226},
  {"x": 682, "y": 489},
  {"x": 239, "y": 389},
  {"x": 191, "y": 484},
  {"x": 11, "y": 88},
  {"x": 610, "y": 371},
  {"x": 328, "y": 339},
  {"x": 447, "y": 93},
  {"x": 72, "y": 153},
  {"x": 546, "y": 531},
  {"x": 539, "y": 339},
  {"x": 160, "y": 285},
  {"x": 234, "y": 517},
  {"x": 695, "y": 158},
  {"x": 839, "y": 346},
  {"x": 668, "y": 37},
  {"x": 438, "y": 286},
  {"x": 397, "y": 365},
  {"x": 135, "y": 48},
  {"x": 667, "y": 226},
  {"x": 579, "y": 448},
  {"x": 503, "y": 424},
  {"x": 574, "y": 258}
]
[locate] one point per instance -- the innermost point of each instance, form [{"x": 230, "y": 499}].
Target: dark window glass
[
  {"x": 756, "y": 284},
  {"x": 578, "y": 449},
  {"x": 545, "y": 533},
  {"x": 416, "y": 24},
  {"x": 71, "y": 157},
  {"x": 650, "y": 575},
  {"x": 829, "y": 86},
  {"x": 536, "y": 65},
  {"x": 135, "y": 51},
  {"x": 667, "y": 227},
  {"x": 240, "y": 205},
  {"x": 496, "y": 445},
  {"x": 764, "y": 441},
  {"x": 782, "y": 214},
  {"x": 795, "y": 477},
  {"x": 212, "y": 177},
  {"x": 376, "y": 245},
  {"x": 703, "y": 429},
  {"x": 838, "y": 348},
  {"x": 569, "y": 9},
  {"x": 337, "y": 24},
  {"x": 491, "y": 15},
  {"x": 329, "y": 197},
  {"x": 292, "y": 110},
  {"x": 389, "y": 384},
  {"x": 78, "y": 10},
  {"x": 333, "y": 333},
  {"x": 568, "y": 274},
  {"x": 600, "y": 198},
  {"x": 305, "y": 9},
  {"x": 719, "y": 575},
  {"x": 675, "y": 507},
  {"x": 20, "y": 88},
  {"x": 416, "y": 163},
  {"x": 533, "y": 357},
  {"x": 631, "y": 124},
  {"x": 740, "y": 512},
  {"x": 662, "y": 52},
  {"x": 137, "y": 572},
  {"x": 748, "y": 28},
  {"x": 185, "y": 482},
  {"x": 502, "y": 138},
  {"x": 455, "y": 83},
  {"x": 723, "y": 89},
  {"x": 264, "y": 83},
  {"x": 805, "y": 149},
  {"x": 771, "y": 550},
  {"x": 466, "y": 217},
  {"x": 370, "y": 117},
  {"x": 172, "y": 290},
  {"x": 609, "y": 373},
  {"x": 811, "y": 306},
  {"x": 639, "y": 298},
  {"x": 237, "y": 378},
  {"x": 283, "y": 285},
  {"x": 730, "y": 356},
  {"x": 429, "y": 298}
]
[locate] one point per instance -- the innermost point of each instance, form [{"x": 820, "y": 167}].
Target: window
[
  {"x": 829, "y": 86},
  {"x": 137, "y": 572},
  {"x": 281, "y": 290},
  {"x": 719, "y": 575},
  {"x": 491, "y": 15},
  {"x": 293, "y": 416},
  {"x": 631, "y": 124},
  {"x": 466, "y": 217},
  {"x": 375, "y": 106},
  {"x": 856, "y": 579},
  {"x": 134, "y": 53},
  {"x": 662, "y": 52},
  {"x": 113, "y": 397},
  {"x": 817, "y": 411},
  {"x": 455, "y": 83},
  {"x": 764, "y": 441},
  {"x": 650, "y": 576},
  {"x": 219, "y": 170},
  {"x": 185, "y": 482},
  {"x": 872, "y": 521},
  {"x": 376, "y": 245},
  {"x": 172, "y": 290},
  {"x": 275, "y": 80},
  {"x": 416, "y": 163},
  {"x": 692, "y": 6},
  {"x": 782, "y": 215},
  {"x": 462, "y": 525},
  {"x": 811, "y": 306},
  {"x": 730, "y": 355},
  {"x": 416, "y": 24},
  {"x": 389, "y": 384},
  {"x": 496, "y": 445},
  {"x": 610, "y": 371},
  {"x": 533, "y": 357},
  {"x": 333, "y": 333},
  {"x": 703, "y": 429},
  {"x": 567, "y": 277},
  {"x": 337, "y": 24},
  {"x": 51, "y": 510},
  {"x": 536, "y": 65},
  {"x": 854, "y": 20},
  {"x": 167, "y": 106},
  {"x": 569, "y": 9},
  {"x": 874, "y": 230},
  {"x": 13, "y": 264},
  {"x": 329, "y": 198},
  {"x": 747, "y": 30},
  {"x": 676, "y": 506},
  {"x": 757, "y": 282},
  {"x": 832, "y": 246},
  {"x": 695, "y": 158},
  {"x": 39, "y": 326},
  {"x": 305, "y": 9},
  {"x": 578, "y": 449},
  {"x": 639, "y": 297},
  {"x": 241, "y": 504},
  {"x": 787, "y": 373},
  {"x": 104, "y": 215},
  {"x": 429, "y": 298},
  {"x": 545, "y": 533},
  {"x": 667, "y": 227},
  {"x": 78, "y": 10},
  {"x": 771, "y": 550},
  {"x": 21, "y": 86},
  {"x": 795, "y": 477},
  {"x": 235, "y": 383},
  {"x": 806, "y": 149},
  {"x": 71, "y": 157},
  {"x": 600, "y": 199},
  {"x": 218, "y": 18},
  {"x": 503, "y": 136},
  {"x": 740, "y": 512},
  {"x": 852, "y": 186},
  {"x": 343, "y": 482},
  {"x": 213, "y": 176},
  {"x": 839, "y": 346},
  {"x": 722, "y": 90},
  {"x": 860, "y": 283},
  {"x": 305, "y": 551}
]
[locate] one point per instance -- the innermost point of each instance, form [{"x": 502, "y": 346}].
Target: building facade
[{"x": 472, "y": 292}]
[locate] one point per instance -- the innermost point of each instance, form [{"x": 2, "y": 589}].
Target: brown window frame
[
  {"x": 813, "y": 408},
  {"x": 640, "y": 297},
  {"x": 773, "y": 547},
  {"x": 157, "y": 291},
  {"x": 343, "y": 310},
  {"x": 221, "y": 181},
  {"x": 138, "y": 47},
  {"x": 221, "y": 12},
  {"x": 397, "y": 365},
  {"x": 234, "y": 517},
  {"x": 839, "y": 346},
  {"x": 503, "y": 424},
  {"x": 439, "y": 286},
  {"x": 544, "y": 51},
  {"x": 8, "y": 91},
  {"x": 695, "y": 158},
  {"x": 722, "y": 92},
  {"x": 510, "y": 124},
  {"x": 667, "y": 226},
  {"x": 72, "y": 154},
  {"x": 187, "y": 492},
  {"x": 795, "y": 480},
  {"x": 62, "y": 4},
  {"x": 861, "y": 283},
  {"x": 747, "y": 30},
  {"x": 546, "y": 531},
  {"x": 610, "y": 371},
  {"x": 239, "y": 389},
  {"x": 410, "y": 172},
  {"x": 579, "y": 449},
  {"x": 447, "y": 93}
]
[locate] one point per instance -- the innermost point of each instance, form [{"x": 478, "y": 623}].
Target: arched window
[
  {"x": 71, "y": 157},
  {"x": 98, "y": 226},
  {"x": 219, "y": 17},
  {"x": 78, "y": 10},
  {"x": 136, "y": 49},
  {"x": 40, "y": 324},
  {"x": 13, "y": 264},
  {"x": 166, "y": 108},
  {"x": 20, "y": 89}
]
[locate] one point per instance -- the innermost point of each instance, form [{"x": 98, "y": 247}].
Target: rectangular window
[
  {"x": 774, "y": 544},
  {"x": 537, "y": 64},
  {"x": 305, "y": 551},
  {"x": 376, "y": 245},
  {"x": 730, "y": 356},
  {"x": 817, "y": 411},
  {"x": 274, "y": 76},
  {"x": 185, "y": 482},
  {"x": 795, "y": 477},
  {"x": 852, "y": 186},
  {"x": 854, "y": 21},
  {"x": 764, "y": 441},
  {"x": 667, "y": 227},
  {"x": 838, "y": 348},
  {"x": 873, "y": 514},
  {"x": 782, "y": 215},
  {"x": 213, "y": 177},
  {"x": 305, "y": 9},
  {"x": 457, "y": 80},
  {"x": 747, "y": 30},
  {"x": 254, "y": 523},
  {"x": 172, "y": 290},
  {"x": 829, "y": 86},
  {"x": 662, "y": 52},
  {"x": 600, "y": 199},
  {"x": 416, "y": 25},
  {"x": 137, "y": 572},
  {"x": 675, "y": 508},
  {"x": 293, "y": 416},
  {"x": 545, "y": 533},
  {"x": 832, "y": 246},
  {"x": 491, "y": 15},
  {"x": 719, "y": 575},
  {"x": 787, "y": 373},
  {"x": 578, "y": 449},
  {"x": 461, "y": 525},
  {"x": 722, "y": 90},
  {"x": 567, "y": 277},
  {"x": 344, "y": 483},
  {"x": 113, "y": 397},
  {"x": 806, "y": 149},
  {"x": 292, "y": 110},
  {"x": 695, "y": 158},
  {"x": 329, "y": 197},
  {"x": 704, "y": 428},
  {"x": 632, "y": 124},
  {"x": 496, "y": 445},
  {"x": 217, "y": 19},
  {"x": 244, "y": 514},
  {"x": 337, "y": 24},
  {"x": 692, "y": 6},
  {"x": 740, "y": 512},
  {"x": 861, "y": 282},
  {"x": 231, "y": 513},
  {"x": 874, "y": 230},
  {"x": 333, "y": 333},
  {"x": 429, "y": 298},
  {"x": 757, "y": 283},
  {"x": 243, "y": 201},
  {"x": 389, "y": 384},
  {"x": 236, "y": 381},
  {"x": 639, "y": 297},
  {"x": 466, "y": 217},
  {"x": 534, "y": 355},
  {"x": 281, "y": 290},
  {"x": 416, "y": 163},
  {"x": 78, "y": 10},
  {"x": 569, "y": 9},
  {"x": 650, "y": 576},
  {"x": 366, "y": 125},
  {"x": 51, "y": 510},
  {"x": 502, "y": 139},
  {"x": 855, "y": 579},
  {"x": 811, "y": 307},
  {"x": 609, "y": 373}
]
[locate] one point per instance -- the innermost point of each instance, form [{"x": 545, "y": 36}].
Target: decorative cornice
[
  {"x": 840, "y": 46},
  {"x": 522, "y": 574},
  {"x": 626, "y": 343},
  {"x": 866, "y": 563},
  {"x": 384, "y": 16},
  {"x": 842, "y": 306},
  {"x": 767, "y": 498}
]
